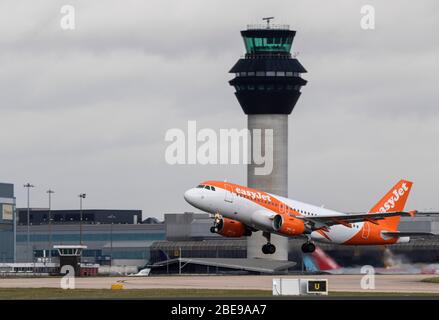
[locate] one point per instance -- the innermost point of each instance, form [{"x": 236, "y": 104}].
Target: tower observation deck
[
  {"x": 268, "y": 79},
  {"x": 268, "y": 83}
]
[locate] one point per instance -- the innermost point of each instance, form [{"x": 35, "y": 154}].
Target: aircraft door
[
  {"x": 366, "y": 230},
  {"x": 229, "y": 193}
]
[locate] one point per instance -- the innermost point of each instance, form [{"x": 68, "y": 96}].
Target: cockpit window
[{"x": 203, "y": 186}]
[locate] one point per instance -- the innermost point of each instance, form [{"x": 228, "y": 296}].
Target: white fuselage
[{"x": 253, "y": 214}]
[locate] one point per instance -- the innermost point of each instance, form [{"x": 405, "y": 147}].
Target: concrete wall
[
  {"x": 420, "y": 224},
  {"x": 189, "y": 226}
]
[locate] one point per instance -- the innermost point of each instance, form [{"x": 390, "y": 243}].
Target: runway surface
[{"x": 348, "y": 283}]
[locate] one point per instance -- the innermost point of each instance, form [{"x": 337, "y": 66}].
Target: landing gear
[
  {"x": 268, "y": 248},
  {"x": 308, "y": 247},
  {"x": 217, "y": 223}
]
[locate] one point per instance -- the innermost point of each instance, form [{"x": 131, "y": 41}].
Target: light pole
[
  {"x": 28, "y": 186},
  {"x": 112, "y": 216},
  {"x": 50, "y": 192},
  {"x": 179, "y": 261},
  {"x": 81, "y": 196}
]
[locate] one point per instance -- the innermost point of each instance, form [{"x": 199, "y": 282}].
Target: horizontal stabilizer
[
  {"x": 407, "y": 234},
  {"x": 427, "y": 213}
]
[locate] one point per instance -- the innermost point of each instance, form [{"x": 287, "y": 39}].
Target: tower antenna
[{"x": 268, "y": 21}]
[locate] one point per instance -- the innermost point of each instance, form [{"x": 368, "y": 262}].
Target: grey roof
[
  {"x": 97, "y": 227},
  {"x": 143, "y": 244},
  {"x": 211, "y": 243},
  {"x": 258, "y": 265},
  {"x": 279, "y": 64}
]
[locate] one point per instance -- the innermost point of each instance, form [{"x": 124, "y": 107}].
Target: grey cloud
[{"x": 87, "y": 111}]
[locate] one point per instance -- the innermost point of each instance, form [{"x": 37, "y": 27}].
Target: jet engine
[
  {"x": 288, "y": 225},
  {"x": 230, "y": 228}
]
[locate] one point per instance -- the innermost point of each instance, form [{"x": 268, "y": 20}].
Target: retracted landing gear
[{"x": 268, "y": 248}]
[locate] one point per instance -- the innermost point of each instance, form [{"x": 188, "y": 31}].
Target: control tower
[{"x": 267, "y": 83}]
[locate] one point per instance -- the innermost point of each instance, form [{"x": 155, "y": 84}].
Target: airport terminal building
[
  {"x": 129, "y": 241},
  {"x": 120, "y": 234}
]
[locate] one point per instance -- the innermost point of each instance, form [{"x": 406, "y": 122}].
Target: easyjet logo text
[
  {"x": 254, "y": 195},
  {"x": 396, "y": 195}
]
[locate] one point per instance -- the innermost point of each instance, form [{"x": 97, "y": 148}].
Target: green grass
[
  {"x": 382, "y": 294},
  {"x": 431, "y": 280},
  {"x": 51, "y": 293}
]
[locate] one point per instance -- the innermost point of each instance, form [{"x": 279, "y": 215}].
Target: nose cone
[{"x": 191, "y": 196}]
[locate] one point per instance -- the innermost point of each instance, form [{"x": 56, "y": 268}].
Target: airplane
[{"x": 239, "y": 211}]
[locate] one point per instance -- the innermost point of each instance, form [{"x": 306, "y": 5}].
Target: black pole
[
  {"x": 28, "y": 222},
  {"x": 81, "y": 196},
  {"x": 111, "y": 245},
  {"x": 28, "y": 186},
  {"x": 80, "y": 220},
  {"x": 50, "y": 223}
]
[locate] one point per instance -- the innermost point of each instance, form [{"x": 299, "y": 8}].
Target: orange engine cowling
[
  {"x": 288, "y": 225},
  {"x": 231, "y": 228}
]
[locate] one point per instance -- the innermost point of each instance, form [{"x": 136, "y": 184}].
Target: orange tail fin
[{"x": 394, "y": 200}]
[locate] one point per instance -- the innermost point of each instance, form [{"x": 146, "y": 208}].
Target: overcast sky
[{"x": 87, "y": 110}]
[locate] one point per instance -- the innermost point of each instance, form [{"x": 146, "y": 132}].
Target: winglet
[{"x": 412, "y": 213}]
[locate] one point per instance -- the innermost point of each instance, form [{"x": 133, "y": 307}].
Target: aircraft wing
[{"x": 347, "y": 219}]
